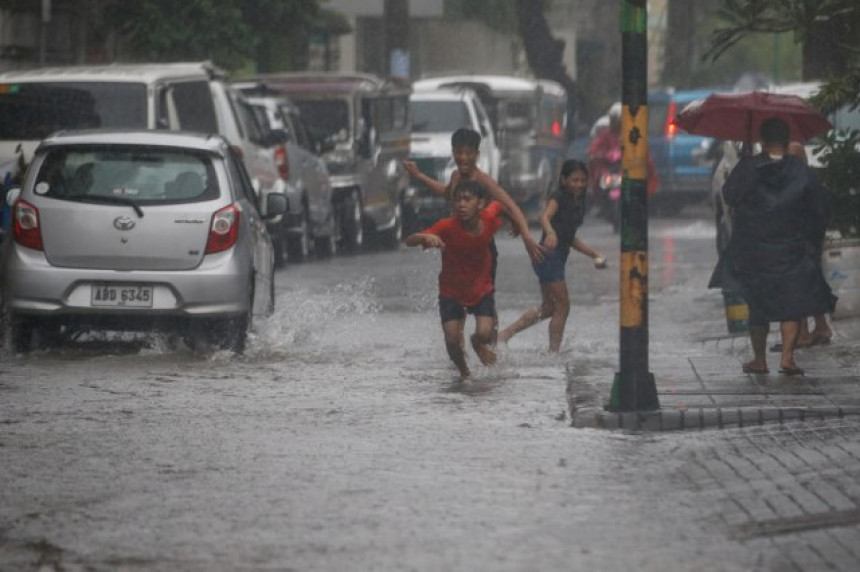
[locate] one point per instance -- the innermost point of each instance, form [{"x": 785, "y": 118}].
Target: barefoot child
[
  {"x": 465, "y": 285},
  {"x": 560, "y": 220}
]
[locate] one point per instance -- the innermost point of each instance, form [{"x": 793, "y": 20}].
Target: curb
[{"x": 703, "y": 418}]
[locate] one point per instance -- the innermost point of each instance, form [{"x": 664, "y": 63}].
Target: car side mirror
[{"x": 276, "y": 205}]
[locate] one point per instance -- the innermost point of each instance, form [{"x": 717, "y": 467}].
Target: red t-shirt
[{"x": 466, "y": 259}]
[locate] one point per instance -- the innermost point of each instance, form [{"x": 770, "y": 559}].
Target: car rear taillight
[
  {"x": 671, "y": 126},
  {"x": 282, "y": 161},
  {"x": 26, "y": 226},
  {"x": 224, "y": 231}
]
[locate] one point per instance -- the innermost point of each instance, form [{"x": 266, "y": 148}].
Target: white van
[{"x": 176, "y": 96}]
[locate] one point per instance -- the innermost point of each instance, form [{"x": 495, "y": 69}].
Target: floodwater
[{"x": 343, "y": 441}]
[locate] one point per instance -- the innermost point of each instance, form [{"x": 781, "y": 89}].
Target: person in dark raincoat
[{"x": 778, "y": 210}]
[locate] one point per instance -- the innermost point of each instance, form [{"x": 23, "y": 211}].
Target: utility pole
[
  {"x": 396, "y": 17},
  {"x": 633, "y": 388}
]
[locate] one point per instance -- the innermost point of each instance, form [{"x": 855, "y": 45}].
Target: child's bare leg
[
  {"x": 557, "y": 293},
  {"x": 453, "y": 331},
  {"x": 530, "y": 317},
  {"x": 481, "y": 339}
]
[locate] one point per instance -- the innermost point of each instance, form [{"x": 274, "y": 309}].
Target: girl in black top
[{"x": 562, "y": 216}]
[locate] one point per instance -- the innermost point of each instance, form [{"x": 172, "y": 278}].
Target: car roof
[
  {"x": 441, "y": 94},
  {"x": 493, "y": 83},
  {"x": 800, "y": 89},
  {"x": 328, "y": 82},
  {"x": 136, "y": 73},
  {"x": 211, "y": 143},
  {"x": 680, "y": 96}
]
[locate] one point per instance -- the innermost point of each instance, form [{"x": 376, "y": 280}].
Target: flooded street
[{"x": 342, "y": 441}]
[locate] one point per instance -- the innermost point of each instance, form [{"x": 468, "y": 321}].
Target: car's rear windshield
[
  {"x": 142, "y": 175},
  {"x": 438, "y": 116},
  {"x": 32, "y": 111},
  {"x": 327, "y": 119}
]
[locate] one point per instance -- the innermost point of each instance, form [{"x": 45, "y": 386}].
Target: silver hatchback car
[{"x": 143, "y": 230}]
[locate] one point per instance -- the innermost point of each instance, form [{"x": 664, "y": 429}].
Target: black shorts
[{"x": 451, "y": 310}]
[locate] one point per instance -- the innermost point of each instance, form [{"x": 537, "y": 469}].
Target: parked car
[
  {"x": 189, "y": 96},
  {"x": 684, "y": 162},
  {"x": 436, "y": 113},
  {"x": 137, "y": 230},
  {"x": 364, "y": 122},
  {"x": 310, "y": 224},
  {"x": 529, "y": 119}
]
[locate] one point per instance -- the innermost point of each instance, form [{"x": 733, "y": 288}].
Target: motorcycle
[{"x": 607, "y": 187}]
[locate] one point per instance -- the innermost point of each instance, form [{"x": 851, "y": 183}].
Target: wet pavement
[
  {"x": 342, "y": 440},
  {"x": 710, "y": 390}
]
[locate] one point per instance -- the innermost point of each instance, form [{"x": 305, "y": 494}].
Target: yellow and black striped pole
[{"x": 633, "y": 388}]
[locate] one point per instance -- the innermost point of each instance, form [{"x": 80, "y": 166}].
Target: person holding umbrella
[{"x": 778, "y": 208}]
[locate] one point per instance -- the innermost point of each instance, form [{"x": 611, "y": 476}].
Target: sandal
[
  {"x": 749, "y": 368},
  {"x": 791, "y": 371}
]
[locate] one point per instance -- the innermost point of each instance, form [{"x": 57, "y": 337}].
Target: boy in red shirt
[{"x": 465, "y": 283}]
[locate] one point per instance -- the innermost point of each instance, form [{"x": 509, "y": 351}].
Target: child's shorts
[
  {"x": 552, "y": 267},
  {"x": 451, "y": 310}
]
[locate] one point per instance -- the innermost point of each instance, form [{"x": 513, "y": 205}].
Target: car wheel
[
  {"x": 17, "y": 333},
  {"x": 352, "y": 223},
  {"x": 299, "y": 245}
]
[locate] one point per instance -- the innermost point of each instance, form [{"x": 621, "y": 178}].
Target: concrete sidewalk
[{"x": 709, "y": 390}]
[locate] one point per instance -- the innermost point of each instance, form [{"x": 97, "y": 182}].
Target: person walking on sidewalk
[
  {"x": 778, "y": 210},
  {"x": 562, "y": 216}
]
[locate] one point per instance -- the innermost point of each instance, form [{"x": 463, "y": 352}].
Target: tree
[
  {"x": 545, "y": 53},
  {"x": 826, "y": 29}
]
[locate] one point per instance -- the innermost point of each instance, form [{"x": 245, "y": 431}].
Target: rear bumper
[{"x": 217, "y": 288}]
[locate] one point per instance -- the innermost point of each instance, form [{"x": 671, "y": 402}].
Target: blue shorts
[
  {"x": 552, "y": 267},
  {"x": 452, "y": 310}
]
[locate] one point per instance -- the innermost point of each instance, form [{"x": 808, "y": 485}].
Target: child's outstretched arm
[
  {"x": 519, "y": 219},
  {"x": 551, "y": 240},
  {"x": 436, "y": 186},
  {"x": 580, "y": 246},
  {"x": 425, "y": 240}
]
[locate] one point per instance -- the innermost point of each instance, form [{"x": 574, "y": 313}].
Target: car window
[
  {"x": 35, "y": 110},
  {"x": 143, "y": 175},
  {"x": 438, "y": 116},
  {"x": 195, "y": 107},
  {"x": 303, "y": 136},
  {"x": 326, "y": 118},
  {"x": 289, "y": 125},
  {"x": 240, "y": 180},
  {"x": 657, "y": 117}
]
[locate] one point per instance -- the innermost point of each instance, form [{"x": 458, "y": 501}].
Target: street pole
[{"x": 633, "y": 388}]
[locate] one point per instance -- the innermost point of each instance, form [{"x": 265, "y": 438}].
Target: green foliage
[
  {"x": 838, "y": 92},
  {"x": 840, "y": 173},
  {"x": 164, "y": 30},
  {"x": 234, "y": 34}
]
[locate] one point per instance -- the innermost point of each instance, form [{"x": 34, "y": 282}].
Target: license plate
[{"x": 122, "y": 295}]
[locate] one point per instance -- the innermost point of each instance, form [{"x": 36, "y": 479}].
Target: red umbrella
[{"x": 738, "y": 116}]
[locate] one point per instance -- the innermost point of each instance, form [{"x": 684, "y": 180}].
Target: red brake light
[
  {"x": 556, "y": 128},
  {"x": 671, "y": 126},
  {"x": 224, "y": 231},
  {"x": 282, "y": 161},
  {"x": 26, "y": 226}
]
